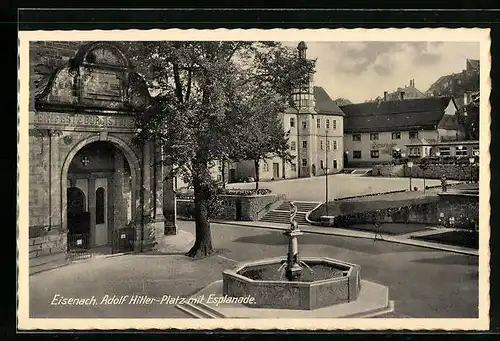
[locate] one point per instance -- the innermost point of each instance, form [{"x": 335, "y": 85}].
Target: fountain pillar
[{"x": 293, "y": 268}]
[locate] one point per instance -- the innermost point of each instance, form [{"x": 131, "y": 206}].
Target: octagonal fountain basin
[{"x": 323, "y": 282}]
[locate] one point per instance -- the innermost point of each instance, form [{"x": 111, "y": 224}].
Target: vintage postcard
[{"x": 254, "y": 179}]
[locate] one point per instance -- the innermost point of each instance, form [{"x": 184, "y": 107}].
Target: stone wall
[
  {"x": 452, "y": 172},
  {"x": 47, "y": 245},
  {"x": 436, "y": 210},
  {"x": 253, "y": 207}
]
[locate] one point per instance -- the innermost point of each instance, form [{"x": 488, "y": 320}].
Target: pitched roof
[
  {"x": 324, "y": 104},
  {"x": 410, "y": 92},
  {"x": 418, "y": 113}
]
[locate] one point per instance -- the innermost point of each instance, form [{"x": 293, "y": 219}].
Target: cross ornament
[{"x": 85, "y": 161}]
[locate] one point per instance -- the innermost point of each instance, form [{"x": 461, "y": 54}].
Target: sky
[{"x": 360, "y": 71}]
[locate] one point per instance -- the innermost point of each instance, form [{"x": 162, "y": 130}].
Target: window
[
  {"x": 318, "y": 123},
  {"x": 373, "y": 136},
  {"x": 327, "y": 124},
  {"x": 374, "y": 154},
  {"x": 304, "y": 162},
  {"x": 294, "y": 167},
  {"x": 356, "y": 154},
  {"x": 328, "y": 145},
  {"x": 414, "y": 151},
  {"x": 321, "y": 164},
  {"x": 293, "y": 145},
  {"x": 356, "y": 137},
  {"x": 99, "y": 205},
  {"x": 304, "y": 144},
  {"x": 265, "y": 167},
  {"x": 292, "y": 122},
  {"x": 321, "y": 144},
  {"x": 396, "y": 153},
  {"x": 335, "y": 164},
  {"x": 396, "y": 136},
  {"x": 475, "y": 151},
  {"x": 335, "y": 145},
  {"x": 304, "y": 124},
  {"x": 334, "y": 124},
  {"x": 444, "y": 151},
  {"x": 413, "y": 134},
  {"x": 460, "y": 151}
]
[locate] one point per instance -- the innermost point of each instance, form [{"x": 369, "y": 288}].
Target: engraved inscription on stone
[
  {"x": 70, "y": 120},
  {"x": 101, "y": 84}
]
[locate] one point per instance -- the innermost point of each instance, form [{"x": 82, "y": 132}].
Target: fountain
[
  {"x": 292, "y": 286},
  {"x": 323, "y": 282}
]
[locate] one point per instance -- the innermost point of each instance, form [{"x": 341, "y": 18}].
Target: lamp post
[
  {"x": 471, "y": 161},
  {"x": 326, "y": 173},
  {"x": 410, "y": 165}
]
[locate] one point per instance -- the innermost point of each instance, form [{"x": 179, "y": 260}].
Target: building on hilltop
[
  {"x": 316, "y": 126},
  {"x": 472, "y": 65},
  {"x": 459, "y": 85},
  {"x": 377, "y": 132}
]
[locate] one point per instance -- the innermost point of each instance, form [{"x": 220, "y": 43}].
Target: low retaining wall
[
  {"x": 47, "y": 245},
  {"x": 453, "y": 172},
  {"x": 236, "y": 207},
  {"x": 451, "y": 210}
]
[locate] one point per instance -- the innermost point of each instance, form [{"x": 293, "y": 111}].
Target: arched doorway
[{"x": 101, "y": 182}]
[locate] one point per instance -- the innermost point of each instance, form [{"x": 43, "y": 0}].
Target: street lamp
[
  {"x": 410, "y": 165},
  {"x": 326, "y": 173},
  {"x": 471, "y": 161}
]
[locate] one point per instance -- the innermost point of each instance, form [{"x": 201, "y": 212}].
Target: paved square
[{"x": 339, "y": 185}]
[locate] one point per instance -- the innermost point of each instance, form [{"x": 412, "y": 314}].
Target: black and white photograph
[{"x": 203, "y": 179}]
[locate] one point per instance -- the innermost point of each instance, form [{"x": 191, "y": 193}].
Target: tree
[
  {"x": 202, "y": 107},
  {"x": 264, "y": 133},
  {"x": 469, "y": 119}
]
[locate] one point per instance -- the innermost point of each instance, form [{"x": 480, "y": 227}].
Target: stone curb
[{"x": 406, "y": 241}]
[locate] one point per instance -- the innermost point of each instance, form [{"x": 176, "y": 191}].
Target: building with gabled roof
[
  {"x": 315, "y": 125},
  {"x": 377, "y": 131}
]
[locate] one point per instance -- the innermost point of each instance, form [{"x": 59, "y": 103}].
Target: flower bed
[{"x": 189, "y": 193}]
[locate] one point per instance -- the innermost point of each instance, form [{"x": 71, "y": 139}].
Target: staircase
[{"x": 281, "y": 215}]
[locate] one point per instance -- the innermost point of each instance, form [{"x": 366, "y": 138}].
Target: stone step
[
  {"x": 301, "y": 206},
  {"x": 283, "y": 218}
]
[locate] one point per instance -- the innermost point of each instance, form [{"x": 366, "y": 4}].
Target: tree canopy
[{"x": 216, "y": 100}]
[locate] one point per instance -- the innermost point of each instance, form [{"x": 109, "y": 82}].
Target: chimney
[
  {"x": 385, "y": 96},
  {"x": 402, "y": 93}
]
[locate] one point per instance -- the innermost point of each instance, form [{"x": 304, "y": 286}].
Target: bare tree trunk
[
  {"x": 203, "y": 242},
  {"x": 257, "y": 173}
]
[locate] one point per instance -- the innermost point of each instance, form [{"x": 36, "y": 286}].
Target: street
[{"x": 424, "y": 283}]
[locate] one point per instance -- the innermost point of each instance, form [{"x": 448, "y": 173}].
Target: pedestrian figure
[
  {"x": 444, "y": 183},
  {"x": 377, "y": 232}
]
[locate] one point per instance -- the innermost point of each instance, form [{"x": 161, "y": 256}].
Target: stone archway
[{"x": 129, "y": 154}]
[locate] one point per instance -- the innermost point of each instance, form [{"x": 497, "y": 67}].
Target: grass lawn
[
  {"x": 390, "y": 228},
  {"x": 457, "y": 238}
]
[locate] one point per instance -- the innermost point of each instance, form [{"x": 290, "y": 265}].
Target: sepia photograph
[{"x": 206, "y": 179}]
